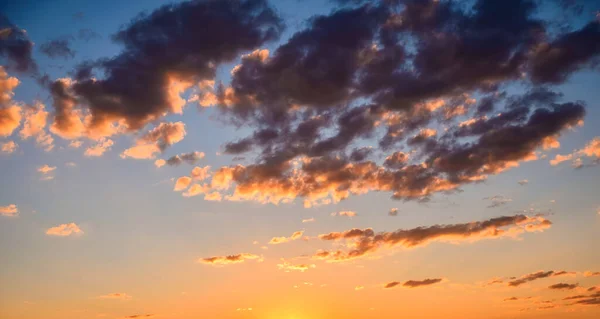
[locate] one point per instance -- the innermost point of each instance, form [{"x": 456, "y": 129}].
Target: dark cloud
[
  {"x": 535, "y": 276},
  {"x": 391, "y": 284},
  {"x": 553, "y": 62},
  {"x": 87, "y": 35},
  {"x": 15, "y": 47},
  {"x": 563, "y": 286},
  {"x": 58, "y": 48},
  {"x": 367, "y": 241},
  {"x": 421, "y": 283},
  {"x": 166, "y": 52},
  {"x": 189, "y": 158}
]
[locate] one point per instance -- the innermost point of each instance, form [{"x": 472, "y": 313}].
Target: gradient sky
[{"x": 165, "y": 214}]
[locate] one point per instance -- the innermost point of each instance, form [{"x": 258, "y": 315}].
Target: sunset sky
[{"x": 299, "y": 159}]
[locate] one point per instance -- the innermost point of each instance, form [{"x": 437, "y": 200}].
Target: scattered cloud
[
  {"x": 591, "y": 273},
  {"x": 517, "y": 298},
  {"x": 563, "y": 286},
  {"x": 537, "y": 275},
  {"x": 281, "y": 240},
  {"x": 498, "y": 201},
  {"x": 190, "y": 158},
  {"x": 393, "y": 212},
  {"x": 227, "y": 260},
  {"x": 101, "y": 146},
  {"x": 421, "y": 283},
  {"x": 366, "y": 241},
  {"x": 34, "y": 126},
  {"x": 523, "y": 182},
  {"x": 8, "y": 147},
  {"x": 345, "y": 213},
  {"x": 160, "y": 163},
  {"x": 156, "y": 141},
  {"x": 309, "y": 220},
  {"x": 182, "y": 183},
  {"x": 139, "y": 316},
  {"x": 288, "y": 267},
  {"x": 64, "y": 230},
  {"x": 10, "y": 210},
  {"x": 357, "y": 288}
]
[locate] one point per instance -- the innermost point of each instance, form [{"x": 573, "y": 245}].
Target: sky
[{"x": 299, "y": 159}]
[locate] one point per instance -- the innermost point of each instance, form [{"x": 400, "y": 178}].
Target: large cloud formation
[
  {"x": 365, "y": 241},
  {"x": 15, "y": 47},
  {"x": 165, "y": 53}
]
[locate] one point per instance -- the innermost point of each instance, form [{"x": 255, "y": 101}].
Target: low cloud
[
  {"x": 228, "y": 260},
  {"x": 393, "y": 212},
  {"x": 346, "y": 213},
  {"x": 563, "y": 286},
  {"x": 98, "y": 149},
  {"x": 9, "y": 211},
  {"x": 590, "y": 150},
  {"x": 537, "y": 275},
  {"x": 182, "y": 183},
  {"x": 282, "y": 240},
  {"x": 421, "y": 283},
  {"x": 366, "y": 241},
  {"x": 156, "y": 141},
  {"x": 288, "y": 267},
  {"x": 64, "y": 230},
  {"x": 8, "y": 147}
]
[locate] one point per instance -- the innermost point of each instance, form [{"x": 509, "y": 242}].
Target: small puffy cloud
[
  {"x": 10, "y": 115},
  {"x": 196, "y": 190},
  {"x": 142, "y": 151},
  {"x": 228, "y": 260},
  {"x": 45, "y": 169},
  {"x": 282, "y": 240},
  {"x": 393, "y": 212},
  {"x": 182, "y": 183},
  {"x": 561, "y": 158},
  {"x": 190, "y": 158},
  {"x": 160, "y": 163},
  {"x": 201, "y": 173},
  {"x": 346, "y": 213},
  {"x": 156, "y": 141},
  {"x": 523, "y": 182},
  {"x": 563, "y": 286},
  {"x": 75, "y": 144},
  {"x": 213, "y": 197},
  {"x": 497, "y": 201},
  {"x": 99, "y": 148},
  {"x": 10, "y": 210},
  {"x": 64, "y": 230},
  {"x": 8, "y": 147},
  {"x": 308, "y": 220},
  {"x": 357, "y": 288},
  {"x": 116, "y": 295},
  {"x": 287, "y": 267},
  {"x": 34, "y": 126}
]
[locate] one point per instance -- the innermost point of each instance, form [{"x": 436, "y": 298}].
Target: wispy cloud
[
  {"x": 281, "y": 240},
  {"x": 228, "y": 260},
  {"x": 10, "y": 210}
]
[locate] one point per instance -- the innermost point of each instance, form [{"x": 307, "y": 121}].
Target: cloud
[
  {"x": 561, "y": 158},
  {"x": 99, "y": 148},
  {"x": 143, "y": 82},
  {"x": 591, "y": 273},
  {"x": 357, "y": 288},
  {"x": 517, "y": 298},
  {"x": 75, "y": 144},
  {"x": 366, "y": 241},
  {"x": 70, "y": 164},
  {"x": 10, "y": 210},
  {"x": 182, "y": 183},
  {"x": 200, "y": 173},
  {"x": 345, "y": 213},
  {"x": 156, "y": 141},
  {"x": 309, "y": 220},
  {"x": 282, "y": 240},
  {"x": 523, "y": 182},
  {"x": 64, "y": 230},
  {"x": 421, "y": 283},
  {"x": 391, "y": 284},
  {"x": 591, "y": 149},
  {"x": 287, "y": 267},
  {"x": 8, "y": 147},
  {"x": 139, "y": 316},
  {"x": 16, "y": 47},
  {"x": 45, "y": 169},
  {"x": 227, "y": 260},
  {"x": 58, "y": 48},
  {"x": 498, "y": 201},
  {"x": 535, "y": 276},
  {"x": 393, "y": 212},
  {"x": 34, "y": 126},
  {"x": 10, "y": 114},
  {"x": 160, "y": 163},
  {"x": 563, "y": 286},
  {"x": 116, "y": 295},
  {"x": 190, "y": 158}
]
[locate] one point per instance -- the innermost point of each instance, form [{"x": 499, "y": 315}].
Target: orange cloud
[
  {"x": 182, "y": 183},
  {"x": 227, "y": 260},
  {"x": 10, "y": 115},
  {"x": 287, "y": 267},
  {"x": 282, "y": 240},
  {"x": 346, "y": 213},
  {"x": 309, "y": 220},
  {"x": 100, "y": 148},
  {"x": 156, "y": 141},
  {"x": 561, "y": 158},
  {"x": 366, "y": 241},
  {"x": 591, "y": 273},
  {"x": 142, "y": 151},
  {"x": 160, "y": 163},
  {"x": 201, "y": 173},
  {"x": 45, "y": 169},
  {"x": 34, "y": 126},
  {"x": 10, "y": 210},
  {"x": 64, "y": 230},
  {"x": 8, "y": 147}
]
